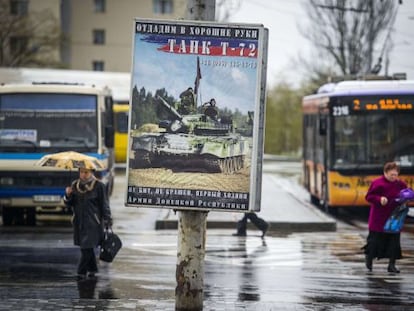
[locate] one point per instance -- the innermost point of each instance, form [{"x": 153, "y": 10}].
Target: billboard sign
[{"x": 196, "y": 115}]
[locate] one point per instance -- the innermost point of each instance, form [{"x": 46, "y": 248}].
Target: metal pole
[
  {"x": 192, "y": 225},
  {"x": 190, "y": 260}
]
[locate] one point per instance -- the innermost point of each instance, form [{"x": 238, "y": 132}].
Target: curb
[{"x": 275, "y": 227}]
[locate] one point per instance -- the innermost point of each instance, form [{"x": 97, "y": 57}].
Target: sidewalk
[{"x": 282, "y": 209}]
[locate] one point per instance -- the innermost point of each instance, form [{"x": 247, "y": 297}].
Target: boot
[
  {"x": 241, "y": 228},
  {"x": 260, "y": 223},
  {"x": 264, "y": 229},
  {"x": 392, "y": 268},
  {"x": 368, "y": 262}
]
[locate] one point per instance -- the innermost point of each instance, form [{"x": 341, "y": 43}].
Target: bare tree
[
  {"x": 347, "y": 32},
  {"x": 225, "y": 8},
  {"x": 28, "y": 39}
]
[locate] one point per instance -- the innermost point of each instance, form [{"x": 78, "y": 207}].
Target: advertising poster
[{"x": 196, "y": 115}]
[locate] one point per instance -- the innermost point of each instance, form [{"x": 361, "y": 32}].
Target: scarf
[{"x": 83, "y": 186}]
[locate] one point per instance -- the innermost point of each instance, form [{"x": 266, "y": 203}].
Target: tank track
[
  {"x": 207, "y": 164},
  {"x": 142, "y": 160}
]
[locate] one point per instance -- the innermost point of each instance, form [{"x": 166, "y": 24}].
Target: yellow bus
[
  {"x": 121, "y": 110},
  {"x": 350, "y": 129}
]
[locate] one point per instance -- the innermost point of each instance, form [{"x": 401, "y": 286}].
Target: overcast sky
[{"x": 283, "y": 18}]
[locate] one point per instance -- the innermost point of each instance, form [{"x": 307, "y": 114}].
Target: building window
[
  {"x": 18, "y": 45},
  {"x": 99, "y": 36},
  {"x": 163, "y": 6},
  {"x": 19, "y": 7},
  {"x": 98, "y": 65},
  {"x": 100, "y": 6}
]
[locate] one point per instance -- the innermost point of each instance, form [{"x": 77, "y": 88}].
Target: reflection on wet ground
[{"x": 303, "y": 271}]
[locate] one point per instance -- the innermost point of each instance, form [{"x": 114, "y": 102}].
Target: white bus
[
  {"x": 39, "y": 119},
  {"x": 118, "y": 82}
]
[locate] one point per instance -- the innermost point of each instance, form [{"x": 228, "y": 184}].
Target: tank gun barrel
[{"x": 169, "y": 107}]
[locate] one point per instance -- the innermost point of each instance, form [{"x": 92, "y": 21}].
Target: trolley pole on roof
[{"x": 192, "y": 225}]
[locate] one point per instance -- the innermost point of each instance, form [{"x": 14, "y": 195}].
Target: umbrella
[{"x": 70, "y": 160}]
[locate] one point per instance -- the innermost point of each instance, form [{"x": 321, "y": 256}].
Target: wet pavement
[
  {"x": 287, "y": 270},
  {"x": 302, "y": 271}
]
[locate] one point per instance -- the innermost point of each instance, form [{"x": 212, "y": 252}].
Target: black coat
[{"x": 91, "y": 213}]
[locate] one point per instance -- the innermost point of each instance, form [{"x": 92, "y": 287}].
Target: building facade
[
  {"x": 101, "y": 31},
  {"x": 97, "y": 33}
]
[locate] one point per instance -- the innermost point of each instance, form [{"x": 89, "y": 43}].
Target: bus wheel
[
  {"x": 314, "y": 200},
  {"x": 7, "y": 215},
  {"x": 13, "y": 216},
  {"x": 330, "y": 210},
  {"x": 31, "y": 216}
]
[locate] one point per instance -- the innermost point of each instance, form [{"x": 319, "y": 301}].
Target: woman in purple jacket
[{"x": 381, "y": 195}]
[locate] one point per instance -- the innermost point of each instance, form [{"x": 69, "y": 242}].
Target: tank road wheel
[
  {"x": 213, "y": 165},
  {"x": 237, "y": 163},
  {"x": 228, "y": 166},
  {"x": 225, "y": 166},
  {"x": 141, "y": 160},
  {"x": 240, "y": 162},
  {"x": 221, "y": 165},
  {"x": 233, "y": 167}
]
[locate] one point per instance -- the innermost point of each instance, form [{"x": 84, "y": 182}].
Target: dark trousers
[
  {"x": 260, "y": 223},
  {"x": 87, "y": 262}
]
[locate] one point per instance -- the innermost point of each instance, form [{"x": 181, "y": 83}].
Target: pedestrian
[
  {"x": 87, "y": 196},
  {"x": 260, "y": 223},
  {"x": 381, "y": 195}
]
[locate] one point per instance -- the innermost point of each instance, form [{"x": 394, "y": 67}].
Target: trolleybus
[{"x": 350, "y": 129}]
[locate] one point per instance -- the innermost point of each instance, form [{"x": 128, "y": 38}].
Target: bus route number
[{"x": 340, "y": 111}]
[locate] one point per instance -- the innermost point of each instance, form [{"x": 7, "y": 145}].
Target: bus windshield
[
  {"x": 121, "y": 122},
  {"x": 374, "y": 138},
  {"x": 48, "y": 121}
]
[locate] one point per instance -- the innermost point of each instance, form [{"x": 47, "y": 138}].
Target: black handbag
[{"x": 110, "y": 246}]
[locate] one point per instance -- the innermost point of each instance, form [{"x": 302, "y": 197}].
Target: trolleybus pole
[{"x": 192, "y": 225}]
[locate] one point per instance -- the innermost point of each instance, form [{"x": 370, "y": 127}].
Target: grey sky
[{"x": 282, "y": 17}]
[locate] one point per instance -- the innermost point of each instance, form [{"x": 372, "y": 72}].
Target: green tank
[{"x": 193, "y": 139}]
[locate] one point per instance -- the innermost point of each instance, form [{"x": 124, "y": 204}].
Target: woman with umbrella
[{"x": 91, "y": 214}]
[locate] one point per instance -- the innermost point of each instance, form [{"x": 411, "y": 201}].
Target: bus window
[
  {"x": 349, "y": 145},
  {"x": 380, "y": 130},
  {"x": 122, "y": 122},
  {"x": 404, "y": 142}
]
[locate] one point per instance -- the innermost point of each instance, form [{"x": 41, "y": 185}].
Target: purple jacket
[{"x": 379, "y": 214}]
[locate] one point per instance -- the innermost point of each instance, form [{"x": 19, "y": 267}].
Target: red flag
[{"x": 198, "y": 76}]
